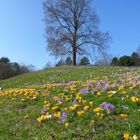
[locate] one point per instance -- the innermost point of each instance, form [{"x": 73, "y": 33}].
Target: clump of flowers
[
  {"x": 60, "y": 100},
  {"x": 57, "y": 115},
  {"x": 99, "y": 93},
  {"x": 63, "y": 116},
  {"x": 107, "y": 106},
  {"x": 84, "y": 90},
  {"x": 42, "y": 118},
  {"x": 135, "y": 99},
  {"x": 126, "y": 136},
  {"x": 86, "y": 107},
  {"x": 98, "y": 109},
  {"x": 79, "y": 113},
  {"x": 43, "y": 111}
]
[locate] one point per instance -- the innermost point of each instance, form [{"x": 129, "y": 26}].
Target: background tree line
[
  {"x": 9, "y": 69},
  {"x": 133, "y": 60},
  {"x": 68, "y": 61}
]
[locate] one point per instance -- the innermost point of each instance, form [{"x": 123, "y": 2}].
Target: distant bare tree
[
  {"x": 104, "y": 60},
  {"x": 138, "y": 50},
  {"x": 48, "y": 65},
  {"x": 107, "y": 58},
  {"x": 31, "y": 68},
  {"x": 72, "y": 28}
]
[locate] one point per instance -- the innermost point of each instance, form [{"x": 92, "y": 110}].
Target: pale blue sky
[{"x": 22, "y": 28}]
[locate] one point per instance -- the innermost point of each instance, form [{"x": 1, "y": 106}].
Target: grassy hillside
[
  {"x": 57, "y": 75},
  {"x": 93, "y": 103}
]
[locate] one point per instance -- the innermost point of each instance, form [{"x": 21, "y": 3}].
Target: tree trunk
[
  {"x": 74, "y": 42},
  {"x": 74, "y": 57}
]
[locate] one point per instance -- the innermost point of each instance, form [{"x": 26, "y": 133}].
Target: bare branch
[{"x": 71, "y": 25}]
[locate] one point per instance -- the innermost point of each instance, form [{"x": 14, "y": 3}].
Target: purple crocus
[
  {"x": 60, "y": 100},
  {"x": 107, "y": 106},
  {"x": 84, "y": 90},
  {"x": 88, "y": 84},
  {"x": 43, "y": 111},
  {"x": 63, "y": 116}
]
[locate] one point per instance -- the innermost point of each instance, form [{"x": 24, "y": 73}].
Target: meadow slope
[{"x": 71, "y": 103}]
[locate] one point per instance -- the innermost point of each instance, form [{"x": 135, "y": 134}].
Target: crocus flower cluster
[
  {"x": 63, "y": 116},
  {"x": 43, "y": 111},
  {"x": 84, "y": 90},
  {"x": 73, "y": 101},
  {"x": 107, "y": 106}
]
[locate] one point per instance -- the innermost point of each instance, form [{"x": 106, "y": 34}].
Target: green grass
[
  {"x": 59, "y": 74},
  {"x": 13, "y": 108}
]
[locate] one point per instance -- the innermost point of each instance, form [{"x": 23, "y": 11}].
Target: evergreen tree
[
  {"x": 68, "y": 61},
  {"x": 125, "y": 61},
  {"x": 84, "y": 61},
  {"x": 135, "y": 59},
  {"x": 4, "y": 60},
  {"x": 114, "y": 61}
]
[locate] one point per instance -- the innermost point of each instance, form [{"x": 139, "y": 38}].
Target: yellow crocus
[
  {"x": 96, "y": 110},
  {"x": 126, "y": 136},
  {"x": 86, "y": 107},
  {"x": 123, "y": 115}
]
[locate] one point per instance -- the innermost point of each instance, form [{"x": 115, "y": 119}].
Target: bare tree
[
  {"x": 104, "y": 59},
  {"x": 72, "y": 28},
  {"x": 138, "y": 50},
  {"x": 48, "y": 65}
]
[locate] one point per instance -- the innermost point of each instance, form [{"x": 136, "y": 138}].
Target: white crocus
[{"x": 135, "y": 137}]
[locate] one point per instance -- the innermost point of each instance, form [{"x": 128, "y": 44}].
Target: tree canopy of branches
[{"x": 72, "y": 28}]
